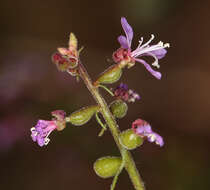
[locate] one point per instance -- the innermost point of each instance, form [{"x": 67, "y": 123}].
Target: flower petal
[
  {"x": 40, "y": 141},
  {"x": 139, "y": 130},
  {"x": 34, "y": 136},
  {"x": 149, "y": 68},
  {"x": 154, "y": 137},
  {"x": 123, "y": 86},
  {"x": 151, "y": 137},
  {"x": 123, "y": 41},
  {"x": 128, "y": 30},
  {"x": 160, "y": 53},
  {"x": 147, "y": 128},
  {"x": 159, "y": 140}
]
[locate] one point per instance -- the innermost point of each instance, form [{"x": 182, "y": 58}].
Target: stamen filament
[
  {"x": 148, "y": 42},
  {"x": 140, "y": 51}
]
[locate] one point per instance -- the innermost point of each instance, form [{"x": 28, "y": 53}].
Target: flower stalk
[{"x": 111, "y": 123}]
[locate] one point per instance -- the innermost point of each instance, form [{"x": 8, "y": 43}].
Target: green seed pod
[
  {"x": 130, "y": 140},
  {"x": 119, "y": 108},
  {"x": 111, "y": 75},
  {"x": 106, "y": 167},
  {"x": 82, "y": 116}
]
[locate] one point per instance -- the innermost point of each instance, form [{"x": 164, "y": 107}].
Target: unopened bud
[{"x": 61, "y": 62}]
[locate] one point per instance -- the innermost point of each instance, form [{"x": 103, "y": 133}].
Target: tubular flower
[
  {"x": 144, "y": 130},
  {"x": 42, "y": 130},
  {"x": 40, "y": 133},
  {"x": 124, "y": 53},
  {"x": 128, "y": 95}
]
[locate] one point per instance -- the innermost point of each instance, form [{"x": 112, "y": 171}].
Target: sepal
[
  {"x": 59, "y": 117},
  {"x": 83, "y": 115},
  {"x": 110, "y": 75},
  {"x": 119, "y": 108},
  {"x": 73, "y": 42},
  {"x": 130, "y": 140},
  {"x": 108, "y": 166}
]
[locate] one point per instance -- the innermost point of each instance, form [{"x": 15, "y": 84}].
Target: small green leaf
[
  {"x": 83, "y": 115},
  {"x": 108, "y": 166}
]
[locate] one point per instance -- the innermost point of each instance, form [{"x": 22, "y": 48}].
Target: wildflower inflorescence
[{"x": 67, "y": 60}]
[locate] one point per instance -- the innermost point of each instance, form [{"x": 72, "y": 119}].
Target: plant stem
[{"x": 110, "y": 120}]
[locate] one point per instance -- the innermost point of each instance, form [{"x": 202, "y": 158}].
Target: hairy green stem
[{"x": 110, "y": 120}]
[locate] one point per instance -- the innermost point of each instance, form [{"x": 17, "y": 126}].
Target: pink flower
[
  {"x": 42, "y": 130},
  {"x": 40, "y": 133},
  {"x": 125, "y": 53},
  {"x": 144, "y": 130}
]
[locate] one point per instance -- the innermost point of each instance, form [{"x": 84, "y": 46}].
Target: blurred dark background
[{"x": 31, "y": 87}]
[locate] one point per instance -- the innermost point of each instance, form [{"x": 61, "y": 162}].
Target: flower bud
[
  {"x": 61, "y": 62},
  {"x": 111, "y": 75},
  {"x": 119, "y": 108},
  {"x": 106, "y": 167},
  {"x": 64, "y": 62},
  {"x": 130, "y": 140},
  {"x": 82, "y": 116}
]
